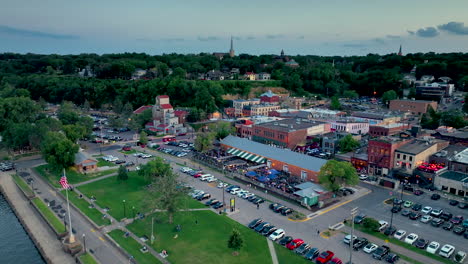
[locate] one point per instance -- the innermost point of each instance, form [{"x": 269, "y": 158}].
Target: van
[{"x": 205, "y": 176}]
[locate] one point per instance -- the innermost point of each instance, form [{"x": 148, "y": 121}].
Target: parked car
[
  {"x": 433, "y": 247},
  {"x": 436, "y": 222},
  {"x": 211, "y": 201},
  {"x": 359, "y": 243},
  {"x": 382, "y": 225},
  {"x": 446, "y": 251},
  {"x": 255, "y": 223},
  {"x": 295, "y": 243},
  {"x": 302, "y": 249},
  {"x": 369, "y": 248},
  {"x": 286, "y": 211},
  {"x": 411, "y": 238},
  {"x": 267, "y": 231},
  {"x": 460, "y": 256},
  {"x": 381, "y": 252},
  {"x": 435, "y": 196},
  {"x": 453, "y": 202},
  {"x": 324, "y": 257},
  {"x": 406, "y": 212},
  {"x": 218, "y": 205},
  {"x": 459, "y": 230},
  {"x": 463, "y": 205},
  {"x": 426, "y": 210},
  {"x": 425, "y": 219},
  {"x": 359, "y": 218},
  {"x": 129, "y": 164},
  {"x": 347, "y": 239},
  {"x": 312, "y": 253},
  {"x": 447, "y": 226},
  {"x": 278, "y": 234},
  {"x": 417, "y": 207},
  {"x": 261, "y": 226},
  {"x": 446, "y": 216},
  {"x": 392, "y": 258},
  {"x": 418, "y": 192},
  {"x": 203, "y": 196},
  {"x": 335, "y": 261},
  {"x": 421, "y": 243},
  {"x": 285, "y": 240},
  {"x": 436, "y": 212},
  {"x": 396, "y": 209},
  {"x": 415, "y": 215},
  {"x": 399, "y": 234},
  {"x": 389, "y": 231},
  {"x": 408, "y": 204}
]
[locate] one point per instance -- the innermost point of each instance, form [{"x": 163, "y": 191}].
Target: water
[{"x": 16, "y": 247}]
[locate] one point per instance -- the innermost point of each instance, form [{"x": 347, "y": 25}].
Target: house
[
  {"x": 84, "y": 164},
  {"x": 292, "y": 63},
  {"x": 310, "y": 193},
  {"x": 250, "y": 76},
  {"x": 214, "y": 75},
  {"x": 269, "y": 97},
  {"x": 138, "y": 74},
  {"x": 264, "y": 76}
]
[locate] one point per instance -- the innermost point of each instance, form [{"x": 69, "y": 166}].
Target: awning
[
  {"x": 231, "y": 150},
  {"x": 246, "y": 155}
]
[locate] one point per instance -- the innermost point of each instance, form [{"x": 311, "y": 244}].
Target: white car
[
  {"x": 240, "y": 194},
  {"x": 363, "y": 177},
  {"x": 433, "y": 247},
  {"x": 185, "y": 169},
  {"x": 369, "y": 248},
  {"x": 426, "y": 219},
  {"x": 426, "y": 210},
  {"x": 399, "y": 234},
  {"x": 347, "y": 239},
  {"x": 383, "y": 224},
  {"x": 211, "y": 179},
  {"x": 222, "y": 185},
  {"x": 248, "y": 195},
  {"x": 446, "y": 251},
  {"x": 411, "y": 238},
  {"x": 235, "y": 191},
  {"x": 460, "y": 256},
  {"x": 145, "y": 156},
  {"x": 277, "y": 234},
  {"x": 195, "y": 194}
]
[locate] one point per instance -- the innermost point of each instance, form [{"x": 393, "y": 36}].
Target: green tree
[
  {"x": 86, "y": 106},
  {"x": 348, "y": 143},
  {"x": 127, "y": 110},
  {"x": 351, "y": 94},
  {"x": 58, "y": 150},
  {"x": 335, "y": 103},
  {"x": 388, "y": 96},
  {"x": 222, "y": 129},
  {"x": 116, "y": 122},
  {"x": 143, "y": 138},
  {"x": 235, "y": 240},
  {"x": 412, "y": 93},
  {"x": 334, "y": 174},
  {"x": 431, "y": 119},
  {"x": 370, "y": 224},
  {"x": 453, "y": 118},
  {"x": 117, "y": 106},
  {"x": 122, "y": 174},
  {"x": 154, "y": 168},
  {"x": 68, "y": 113},
  {"x": 138, "y": 121},
  {"x": 74, "y": 132},
  {"x": 204, "y": 141}
]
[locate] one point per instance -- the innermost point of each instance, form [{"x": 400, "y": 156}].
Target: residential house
[
  {"x": 250, "y": 76},
  {"x": 264, "y": 76},
  {"x": 84, "y": 163}
]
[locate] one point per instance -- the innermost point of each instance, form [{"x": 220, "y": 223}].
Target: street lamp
[
  {"x": 84, "y": 242},
  {"x": 125, "y": 213},
  {"x": 353, "y": 213}
]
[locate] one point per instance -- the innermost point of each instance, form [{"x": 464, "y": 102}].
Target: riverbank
[{"x": 44, "y": 239}]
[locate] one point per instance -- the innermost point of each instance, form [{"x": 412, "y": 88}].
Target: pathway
[
  {"x": 95, "y": 179},
  {"x": 274, "y": 258}
]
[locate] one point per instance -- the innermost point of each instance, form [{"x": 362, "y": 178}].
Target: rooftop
[
  {"x": 83, "y": 158},
  {"x": 374, "y": 115},
  {"x": 269, "y": 152},
  {"x": 290, "y": 124},
  {"x": 268, "y": 94},
  {"x": 450, "y": 151},
  {"x": 388, "y": 139},
  {"x": 141, "y": 109},
  {"x": 391, "y": 125},
  {"x": 416, "y": 146},
  {"x": 409, "y": 100},
  {"x": 455, "y": 175},
  {"x": 461, "y": 157}
]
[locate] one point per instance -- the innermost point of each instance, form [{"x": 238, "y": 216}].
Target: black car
[
  {"x": 454, "y": 202},
  {"x": 228, "y": 189},
  {"x": 418, "y": 192},
  {"x": 421, "y": 243},
  {"x": 459, "y": 230},
  {"x": 218, "y": 205},
  {"x": 286, "y": 211},
  {"x": 463, "y": 205},
  {"x": 406, "y": 212},
  {"x": 396, "y": 209},
  {"x": 120, "y": 161},
  {"x": 447, "y": 226},
  {"x": 397, "y": 201},
  {"x": 436, "y": 222},
  {"x": 258, "y": 201},
  {"x": 302, "y": 249},
  {"x": 203, "y": 196},
  {"x": 358, "y": 219},
  {"x": 251, "y": 198},
  {"x": 392, "y": 258},
  {"x": 211, "y": 201},
  {"x": 389, "y": 230},
  {"x": 255, "y": 223},
  {"x": 312, "y": 253},
  {"x": 268, "y": 230},
  {"x": 359, "y": 243},
  {"x": 380, "y": 252},
  {"x": 273, "y": 205},
  {"x": 129, "y": 164},
  {"x": 446, "y": 216},
  {"x": 417, "y": 207},
  {"x": 261, "y": 226},
  {"x": 278, "y": 208},
  {"x": 435, "y": 196},
  {"x": 415, "y": 215},
  {"x": 285, "y": 240}
]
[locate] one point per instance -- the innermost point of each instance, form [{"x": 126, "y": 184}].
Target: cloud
[
  {"x": 250, "y": 38},
  {"x": 379, "y": 40},
  {"x": 34, "y": 34},
  {"x": 301, "y": 37},
  {"x": 457, "y": 28},
  {"x": 428, "y": 32},
  {"x": 393, "y": 37},
  {"x": 274, "y": 36},
  {"x": 209, "y": 38}
]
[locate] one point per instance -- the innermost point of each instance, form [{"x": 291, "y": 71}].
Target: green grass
[
  {"x": 203, "y": 242},
  {"x": 23, "y": 185},
  {"x": 53, "y": 220},
  {"x": 102, "y": 163},
  {"x": 286, "y": 256},
  {"x": 128, "y": 152},
  {"x": 110, "y": 193},
  {"x": 133, "y": 248},
  {"x": 403, "y": 244},
  {"x": 98, "y": 155},
  {"x": 83, "y": 205},
  {"x": 72, "y": 175},
  {"x": 88, "y": 259}
]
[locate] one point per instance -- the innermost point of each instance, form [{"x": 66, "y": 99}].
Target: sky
[{"x": 306, "y": 27}]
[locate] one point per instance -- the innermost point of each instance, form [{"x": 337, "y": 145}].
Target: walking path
[
  {"x": 274, "y": 258},
  {"x": 44, "y": 238},
  {"x": 95, "y": 179}
]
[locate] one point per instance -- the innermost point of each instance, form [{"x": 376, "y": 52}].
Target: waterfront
[{"x": 15, "y": 246}]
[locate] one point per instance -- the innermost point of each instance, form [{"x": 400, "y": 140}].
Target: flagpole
[{"x": 71, "y": 238}]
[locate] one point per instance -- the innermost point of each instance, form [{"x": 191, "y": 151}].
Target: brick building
[
  {"x": 300, "y": 165},
  {"x": 381, "y": 153},
  {"x": 84, "y": 163},
  {"x": 352, "y": 127},
  {"x": 387, "y": 129},
  {"x": 454, "y": 136},
  {"x": 241, "y": 103},
  {"x": 269, "y": 98},
  {"x": 260, "y": 109},
  {"x": 412, "y": 106},
  {"x": 288, "y": 133},
  {"x": 414, "y": 153}
]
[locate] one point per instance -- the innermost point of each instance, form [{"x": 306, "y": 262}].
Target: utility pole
[
  {"x": 353, "y": 213},
  {"x": 84, "y": 242},
  {"x": 125, "y": 213},
  {"x": 152, "y": 230}
]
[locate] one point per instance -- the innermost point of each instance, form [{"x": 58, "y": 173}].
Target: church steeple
[
  {"x": 399, "y": 52},
  {"x": 282, "y": 53},
  {"x": 231, "y": 51}
]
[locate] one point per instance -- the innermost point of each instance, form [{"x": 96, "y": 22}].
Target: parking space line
[
  {"x": 101, "y": 238},
  {"x": 92, "y": 230}
]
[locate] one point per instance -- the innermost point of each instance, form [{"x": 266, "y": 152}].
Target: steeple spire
[
  {"x": 399, "y": 52},
  {"x": 231, "y": 51}
]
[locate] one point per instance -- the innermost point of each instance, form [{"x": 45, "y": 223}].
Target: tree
[
  {"x": 68, "y": 113},
  {"x": 348, "y": 143},
  {"x": 412, "y": 93},
  {"x": 370, "y": 223},
  {"x": 143, "y": 138},
  {"x": 431, "y": 119},
  {"x": 86, "y": 106},
  {"x": 127, "y": 110},
  {"x": 122, "y": 174},
  {"x": 58, "y": 151},
  {"x": 74, "y": 132},
  {"x": 153, "y": 169},
  {"x": 335, "y": 103},
  {"x": 388, "y": 96},
  {"x": 116, "y": 122},
  {"x": 351, "y": 94},
  {"x": 334, "y": 174},
  {"x": 222, "y": 129},
  {"x": 204, "y": 141},
  {"x": 465, "y": 104},
  {"x": 235, "y": 240},
  {"x": 453, "y": 118},
  {"x": 138, "y": 121},
  {"x": 117, "y": 106}
]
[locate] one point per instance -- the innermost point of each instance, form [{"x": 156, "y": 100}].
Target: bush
[
  {"x": 370, "y": 224},
  {"x": 235, "y": 241}
]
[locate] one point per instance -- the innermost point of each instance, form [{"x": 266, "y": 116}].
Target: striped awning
[{"x": 246, "y": 155}]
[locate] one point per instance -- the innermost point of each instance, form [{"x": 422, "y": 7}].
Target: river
[{"x": 16, "y": 247}]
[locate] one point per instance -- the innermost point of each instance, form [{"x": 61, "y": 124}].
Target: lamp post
[
  {"x": 353, "y": 213},
  {"x": 84, "y": 242},
  {"x": 125, "y": 213},
  {"x": 391, "y": 217}
]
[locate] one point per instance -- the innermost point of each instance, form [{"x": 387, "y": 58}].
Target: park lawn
[
  {"x": 128, "y": 152},
  {"x": 111, "y": 193},
  {"x": 23, "y": 185},
  {"x": 53, "y": 220},
  {"x": 83, "y": 205},
  {"x": 73, "y": 176},
  {"x": 133, "y": 247},
  {"x": 88, "y": 259},
  {"x": 286, "y": 256},
  {"x": 102, "y": 163},
  {"x": 203, "y": 242}
]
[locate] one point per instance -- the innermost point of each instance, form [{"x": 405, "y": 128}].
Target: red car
[
  {"x": 295, "y": 243},
  {"x": 324, "y": 257},
  {"x": 197, "y": 175},
  {"x": 335, "y": 261},
  {"x": 126, "y": 148}
]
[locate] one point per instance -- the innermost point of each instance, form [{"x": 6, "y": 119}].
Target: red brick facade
[
  {"x": 294, "y": 170},
  {"x": 413, "y": 106},
  {"x": 269, "y": 100},
  {"x": 381, "y": 153},
  {"x": 378, "y": 131},
  {"x": 280, "y": 138}
]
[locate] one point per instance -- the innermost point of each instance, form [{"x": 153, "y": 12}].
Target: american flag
[{"x": 63, "y": 181}]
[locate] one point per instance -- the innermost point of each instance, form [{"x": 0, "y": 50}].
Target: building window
[
  {"x": 410, "y": 158},
  {"x": 404, "y": 157},
  {"x": 285, "y": 168},
  {"x": 398, "y": 156},
  {"x": 303, "y": 175}
]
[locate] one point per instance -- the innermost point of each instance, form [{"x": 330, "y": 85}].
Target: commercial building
[
  {"x": 299, "y": 165},
  {"x": 269, "y": 98},
  {"x": 387, "y": 129},
  {"x": 241, "y": 103},
  {"x": 434, "y": 91},
  {"x": 414, "y": 153},
  {"x": 381, "y": 152},
  {"x": 319, "y": 113},
  {"x": 349, "y": 126},
  {"x": 453, "y": 182},
  {"x": 259, "y": 109},
  {"x": 415, "y": 107},
  {"x": 374, "y": 118},
  {"x": 288, "y": 133},
  {"x": 454, "y": 136},
  {"x": 452, "y": 153}
]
